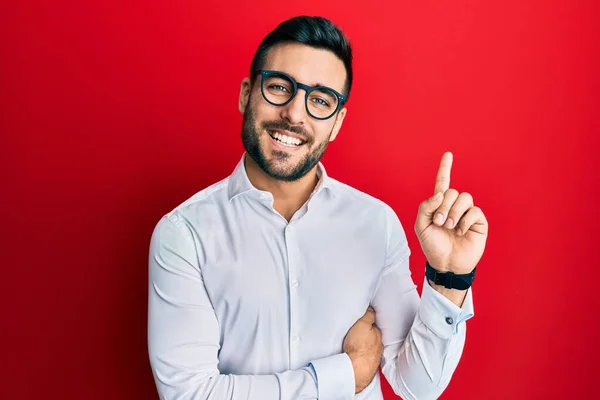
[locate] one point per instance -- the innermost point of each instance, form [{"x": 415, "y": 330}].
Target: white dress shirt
[{"x": 245, "y": 305}]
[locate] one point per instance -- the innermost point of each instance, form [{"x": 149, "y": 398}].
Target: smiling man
[{"x": 280, "y": 282}]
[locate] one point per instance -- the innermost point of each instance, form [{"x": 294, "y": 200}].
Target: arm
[
  {"x": 183, "y": 336},
  {"x": 423, "y": 338}
]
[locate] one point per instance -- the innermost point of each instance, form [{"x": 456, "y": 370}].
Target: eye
[
  {"x": 320, "y": 101},
  {"x": 278, "y": 87}
]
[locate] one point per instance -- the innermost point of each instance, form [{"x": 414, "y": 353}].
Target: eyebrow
[
  {"x": 330, "y": 95},
  {"x": 314, "y": 85}
]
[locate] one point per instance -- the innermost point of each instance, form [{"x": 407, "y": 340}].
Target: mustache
[{"x": 283, "y": 125}]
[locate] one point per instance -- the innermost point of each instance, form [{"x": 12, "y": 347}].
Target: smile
[{"x": 285, "y": 140}]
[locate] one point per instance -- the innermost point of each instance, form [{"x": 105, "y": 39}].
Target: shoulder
[
  {"x": 375, "y": 214},
  {"x": 192, "y": 211},
  {"x": 368, "y": 210},
  {"x": 357, "y": 198}
]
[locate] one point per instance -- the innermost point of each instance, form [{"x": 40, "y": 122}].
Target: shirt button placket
[{"x": 293, "y": 284}]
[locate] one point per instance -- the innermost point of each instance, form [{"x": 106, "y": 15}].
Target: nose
[{"x": 294, "y": 112}]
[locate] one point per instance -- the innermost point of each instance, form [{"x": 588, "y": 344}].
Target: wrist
[
  {"x": 356, "y": 366},
  {"x": 362, "y": 371},
  {"x": 452, "y": 286},
  {"x": 449, "y": 279},
  {"x": 457, "y": 296},
  {"x": 334, "y": 377}
]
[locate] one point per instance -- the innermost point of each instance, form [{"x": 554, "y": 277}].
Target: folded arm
[{"x": 183, "y": 336}]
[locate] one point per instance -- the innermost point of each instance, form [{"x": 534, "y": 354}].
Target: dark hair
[{"x": 316, "y": 32}]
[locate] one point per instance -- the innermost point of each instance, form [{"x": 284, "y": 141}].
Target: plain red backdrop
[{"x": 113, "y": 112}]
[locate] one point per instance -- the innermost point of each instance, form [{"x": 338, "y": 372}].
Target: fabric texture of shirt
[{"x": 245, "y": 305}]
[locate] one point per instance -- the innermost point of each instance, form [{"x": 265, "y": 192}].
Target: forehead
[{"x": 307, "y": 65}]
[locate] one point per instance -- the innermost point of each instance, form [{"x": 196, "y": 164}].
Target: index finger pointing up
[{"x": 442, "y": 180}]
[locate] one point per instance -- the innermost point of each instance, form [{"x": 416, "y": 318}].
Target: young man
[{"x": 280, "y": 282}]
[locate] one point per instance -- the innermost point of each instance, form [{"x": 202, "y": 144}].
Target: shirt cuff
[
  {"x": 335, "y": 377},
  {"x": 440, "y": 314}
]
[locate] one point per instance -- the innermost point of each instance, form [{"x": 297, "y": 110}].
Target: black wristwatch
[{"x": 449, "y": 280}]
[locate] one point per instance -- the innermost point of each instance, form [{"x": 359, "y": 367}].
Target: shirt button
[
  {"x": 295, "y": 339},
  {"x": 295, "y": 283},
  {"x": 449, "y": 320}
]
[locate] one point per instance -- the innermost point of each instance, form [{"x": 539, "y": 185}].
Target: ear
[
  {"x": 339, "y": 120},
  {"x": 244, "y": 95}
]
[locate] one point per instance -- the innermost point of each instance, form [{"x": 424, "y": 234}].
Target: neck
[{"x": 288, "y": 196}]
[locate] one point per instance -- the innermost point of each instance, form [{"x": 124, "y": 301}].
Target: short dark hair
[{"x": 318, "y": 32}]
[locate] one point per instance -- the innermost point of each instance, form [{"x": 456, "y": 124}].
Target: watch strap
[{"x": 449, "y": 280}]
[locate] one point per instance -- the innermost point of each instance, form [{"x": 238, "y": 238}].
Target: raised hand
[{"x": 452, "y": 231}]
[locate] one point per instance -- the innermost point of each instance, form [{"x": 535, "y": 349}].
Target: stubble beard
[{"x": 277, "y": 167}]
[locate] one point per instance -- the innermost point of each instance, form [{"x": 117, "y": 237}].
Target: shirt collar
[{"x": 239, "y": 183}]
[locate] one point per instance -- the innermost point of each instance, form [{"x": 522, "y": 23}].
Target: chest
[{"x": 275, "y": 276}]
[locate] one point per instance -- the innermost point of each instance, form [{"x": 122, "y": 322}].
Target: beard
[{"x": 276, "y": 166}]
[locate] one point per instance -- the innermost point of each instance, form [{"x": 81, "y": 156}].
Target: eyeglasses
[{"x": 278, "y": 89}]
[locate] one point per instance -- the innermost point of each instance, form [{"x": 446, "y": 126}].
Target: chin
[
  {"x": 281, "y": 170},
  {"x": 288, "y": 170}
]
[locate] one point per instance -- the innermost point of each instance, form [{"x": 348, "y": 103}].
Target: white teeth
[{"x": 286, "y": 139}]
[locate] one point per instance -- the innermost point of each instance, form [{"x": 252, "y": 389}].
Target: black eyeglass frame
[{"x": 265, "y": 73}]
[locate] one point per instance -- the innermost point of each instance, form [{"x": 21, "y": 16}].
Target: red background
[{"x": 112, "y": 113}]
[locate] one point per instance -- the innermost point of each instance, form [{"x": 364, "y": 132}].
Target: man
[{"x": 280, "y": 282}]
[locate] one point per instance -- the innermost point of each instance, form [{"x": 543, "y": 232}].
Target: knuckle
[
  {"x": 467, "y": 196},
  {"x": 455, "y": 215},
  {"x": 456, "y": 210},
  {"x": 444, "y": 209},
  {"x": 451, "y": 193}
]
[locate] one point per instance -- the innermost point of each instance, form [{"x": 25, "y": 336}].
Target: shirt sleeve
[
  {"x": 184, "y": 336},
  {"x": 423, "y": 337}
]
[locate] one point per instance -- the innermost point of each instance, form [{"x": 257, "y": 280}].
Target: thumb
[
  {"x": 426, "y": 210},
  {"x": 369, "y": 316}
]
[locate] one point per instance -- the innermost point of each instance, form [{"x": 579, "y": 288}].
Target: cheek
[
  {"x": 262, "y": 110},
  {"x": 322, "y": 132}
]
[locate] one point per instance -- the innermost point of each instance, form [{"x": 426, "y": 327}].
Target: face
[{"x": 285, "y": 141}]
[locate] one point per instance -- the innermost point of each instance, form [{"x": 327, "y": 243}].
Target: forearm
[
  {"x": 425, "y": 363},
  {"x": 422, "y": 366},
  {"x": 185, "y": 379},
  {"x": 454, "y": 295},
  {"x": 174, "y": 383},
  {"x": 183, "y": 349}
]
